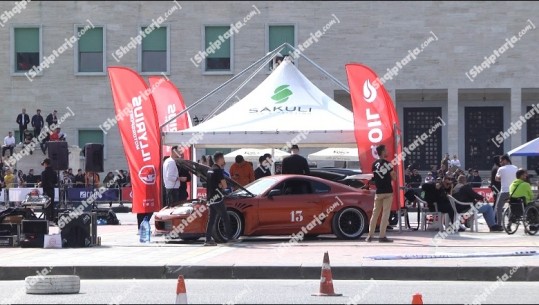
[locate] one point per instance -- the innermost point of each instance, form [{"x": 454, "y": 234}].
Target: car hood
[{"x": 201, "y": 170}]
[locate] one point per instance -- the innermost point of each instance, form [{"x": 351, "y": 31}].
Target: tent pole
[
  {"x": 270, "y": 54},
  {"x": 273, "y": 163},
  {"x": 262, "y": 66},
  {"x": 345, "y": 88}
]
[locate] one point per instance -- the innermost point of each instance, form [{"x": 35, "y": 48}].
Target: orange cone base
[{"x": 318, "y": 294}]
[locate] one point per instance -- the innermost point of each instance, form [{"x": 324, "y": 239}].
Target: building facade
[{"x": 468, "y": 65}]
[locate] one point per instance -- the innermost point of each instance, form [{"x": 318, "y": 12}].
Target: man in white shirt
[
  {"x": 170, "y": 177},
  {"x": 9, "y": 143},
  {"x": 455, "y": 162},
  {"x": 506, "y": 174}
]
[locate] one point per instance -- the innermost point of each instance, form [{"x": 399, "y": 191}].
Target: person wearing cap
[
  {"x": 506, "y": 175},
  {"x": 49, "y": 180},
  {"x": 52, "y": 119},
  {"x": 295, "y": 164}
]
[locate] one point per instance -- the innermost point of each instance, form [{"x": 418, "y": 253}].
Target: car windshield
[{"x": 257, "y": 187}]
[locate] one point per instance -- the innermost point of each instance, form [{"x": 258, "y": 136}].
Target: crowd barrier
[{"x": 73, "y": 194}]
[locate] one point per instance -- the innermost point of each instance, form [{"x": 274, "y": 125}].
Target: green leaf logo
[{"x": 281, "y": 94}]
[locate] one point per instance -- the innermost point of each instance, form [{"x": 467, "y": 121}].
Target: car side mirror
[{"x": 274, "y": 193}]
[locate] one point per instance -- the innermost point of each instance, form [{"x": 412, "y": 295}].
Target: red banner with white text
[
  {"x": 375, "y": 121},
  {"x": 139, "y": 130},
  {"x": 168, "y": 103}
]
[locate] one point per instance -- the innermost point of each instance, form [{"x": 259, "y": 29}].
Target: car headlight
[{"x": 182, "y": 211}]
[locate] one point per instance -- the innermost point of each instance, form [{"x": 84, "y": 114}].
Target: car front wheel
[
  {"x": 349, "y": 223},
  {"x": 236, "y": 223}
]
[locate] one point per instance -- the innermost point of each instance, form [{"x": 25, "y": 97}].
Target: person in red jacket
[{"x": 242, "y": 171}]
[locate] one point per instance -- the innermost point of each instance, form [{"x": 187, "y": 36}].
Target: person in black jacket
[
  {"x": 463, "y": 192},
  {"x": 263, "y": 168},
  {"x": 37, "y": 123},
  {"x": 295, "y": 164},
  {"x": 183, "y": 173},
  {"x": 49, "y": 180},
  {"x": 23, "y": 120},
  {"x": 52, "y": 119}
]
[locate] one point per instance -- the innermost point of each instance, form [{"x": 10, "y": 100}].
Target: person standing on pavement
[
  {"x": 295, "y": 164},
  {"x": 49, "y": 180},
  {"x": 384, "y": 195},
  {"x": 37, "y": 123},
  {"x": 216, "y": 184},
  {"x": 242, "y": 171},
  {"x": 170, "y": 177},
  {"x": 23, "y": 120},
  {"x": 185, "y": 177},
  {"x": 263, "y": 169},
  {"x": 506, "y": 175}
]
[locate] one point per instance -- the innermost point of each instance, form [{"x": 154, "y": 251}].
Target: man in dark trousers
[
  {"x": 52, "y": 118},
  {"x": 185, "y": 177},
  {"x": 463, "y": 192},
  {"x": 49, "y": 180},
  {"x": 37, "y": 123},
  {"x": 295, "y": 164},
  {"x": 383, "y": 198},
  {"x": 23, "y": 120},
  {"x": 215, "y": 195}
]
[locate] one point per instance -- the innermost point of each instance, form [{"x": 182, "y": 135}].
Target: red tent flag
[
  {"x": 375, "y": 120},
  {"x": 168, "y": 103},
  {"x": 139, "y": 129}
]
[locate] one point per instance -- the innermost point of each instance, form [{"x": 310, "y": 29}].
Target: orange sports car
[{"x": 294, "y": 205}]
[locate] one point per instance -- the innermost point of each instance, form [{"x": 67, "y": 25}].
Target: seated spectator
[
  {"x": 415, "y": 179},
  {"x": 9, "y": 179},
  {"x": 43, "y": 143},
  {"x": 55, "y": 135},
  {"x": 109, "y": 181},
  {"x": 476, "y": 179},
  {"x": 520, "y": 188},
  {"x": 437, "y": 193},
  {"x": 434, "y": 171},
  {"x": 31, "y": 179},
  {"x": 407, "y": 175},
  {"x": 9, "y": 144},
  {"x": 20, "y": 179},
  {"x": 80, "y": 179},
  {"x": 429, "y": 178},
  {"x": 470, "y": 175},
  {"x": 27, "y": 140},
  {"x": 92, "y": 179},
  {"x": 463, "y": 192}
]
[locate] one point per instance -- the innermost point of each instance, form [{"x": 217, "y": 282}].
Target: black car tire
[
  {"x": 236, "y": 222},
  {"x": 393, "y": 219},
  {"x": 349, "y": 223}
]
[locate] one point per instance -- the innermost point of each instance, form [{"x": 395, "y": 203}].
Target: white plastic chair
[{"x": 454, "y": 202}]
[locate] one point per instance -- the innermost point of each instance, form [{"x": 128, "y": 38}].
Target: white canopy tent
[
  {"x": 335, "y": 154},
  {"x": 252, "y": 154},
  {"x": 530, "y": 148},
  {"x": 285, "y": 108}
]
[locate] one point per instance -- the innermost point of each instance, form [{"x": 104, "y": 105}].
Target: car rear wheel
[
  {"x": 349, "y": 223},
  {"x": 236, "y": 223}
]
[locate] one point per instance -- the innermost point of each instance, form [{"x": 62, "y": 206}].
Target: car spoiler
[{"x": 201, "y": 170}]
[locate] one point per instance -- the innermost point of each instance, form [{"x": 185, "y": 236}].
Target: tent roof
[
  {"x": 286, "y": 106},
  {"x": 527, "y": 149},
  {"x": 335, "y": 154}
]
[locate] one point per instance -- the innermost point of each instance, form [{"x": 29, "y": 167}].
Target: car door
[{"x": 288, "y": 212}]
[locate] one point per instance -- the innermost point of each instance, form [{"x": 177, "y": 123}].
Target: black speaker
[
  {"x": 78, "y": 231},
  {"x": 94, "y": 157},
  {"x": 59, "y": 155},
  {"x": 35, "y": 227}
]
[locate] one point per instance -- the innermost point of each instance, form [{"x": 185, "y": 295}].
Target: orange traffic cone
[
  {"x": 181, "y": 294},
  {"x": 326, "y": 280},
  {"x": 417, "y": 298}
]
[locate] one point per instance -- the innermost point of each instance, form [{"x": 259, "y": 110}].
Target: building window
[
  {"x": 218, "y": 59},
  {"x": 279, "y": 34},
  {"x": 155, "y": 50},
  {"x": 482, "y": 124},
  {"x": 90, "y": 50},
  {"x": 27, "y": 48},
  {"x": 92, "y": 136},
  {"x": 416, "y": 122}
]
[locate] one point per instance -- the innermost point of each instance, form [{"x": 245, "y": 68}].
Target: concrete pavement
[{"x": 121, "y": 256}]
